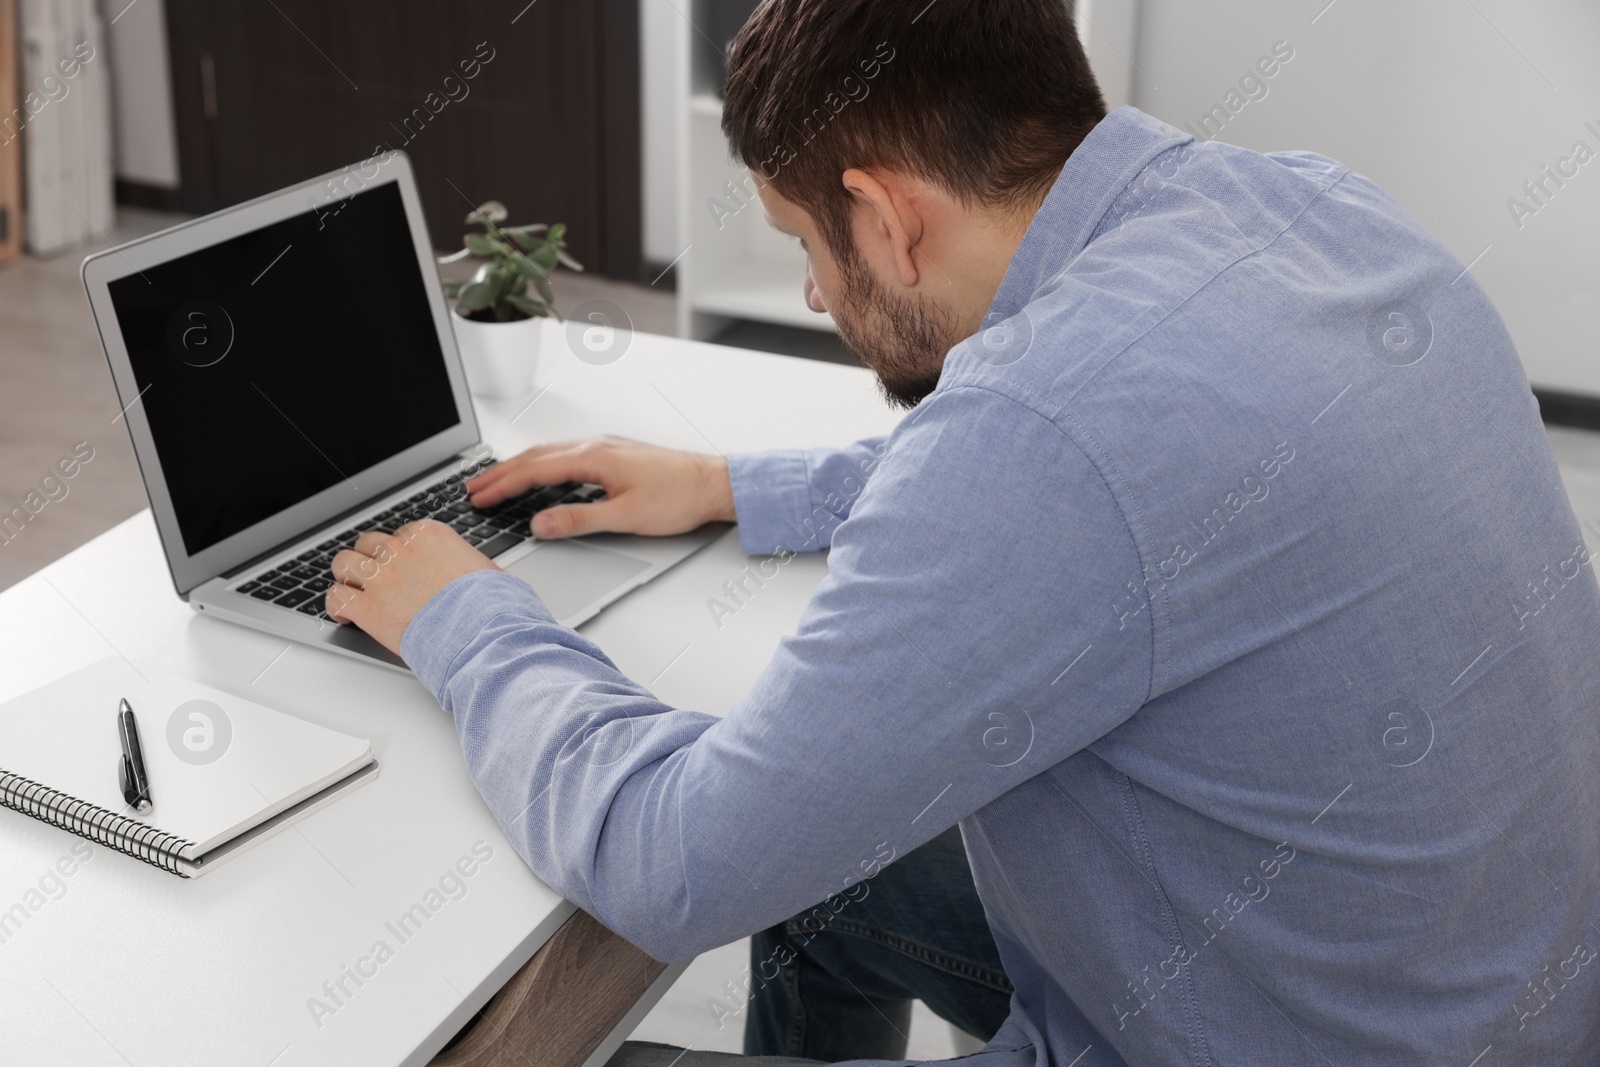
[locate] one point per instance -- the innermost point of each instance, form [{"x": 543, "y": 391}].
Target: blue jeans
[{"x": 831, "y": 985}]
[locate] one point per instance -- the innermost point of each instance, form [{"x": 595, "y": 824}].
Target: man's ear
[{"x": 893, "y": 220}]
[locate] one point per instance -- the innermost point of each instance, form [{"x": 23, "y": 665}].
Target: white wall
[
  {"x": 1108, "y": 30},
  {"x": 1450, "y": 106},
  {"x": 141, "y": 92}
]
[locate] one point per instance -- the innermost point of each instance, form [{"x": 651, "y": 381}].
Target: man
[{"x": 1219, "y": 585}]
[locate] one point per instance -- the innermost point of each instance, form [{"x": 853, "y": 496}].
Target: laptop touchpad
[{"x": 569, "y": 576}]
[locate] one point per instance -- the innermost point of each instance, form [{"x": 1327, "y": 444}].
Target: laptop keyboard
[{"x": 298, "y": 584}]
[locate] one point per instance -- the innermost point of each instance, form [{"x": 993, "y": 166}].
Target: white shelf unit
[{"x": 736, "y": 267}]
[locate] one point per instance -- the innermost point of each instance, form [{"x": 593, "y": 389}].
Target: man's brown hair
[{"x": 983, "y": 98}]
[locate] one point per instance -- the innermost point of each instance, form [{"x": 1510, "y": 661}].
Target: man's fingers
[
  {"x": 371, "y": 539},
  {"x": 479, "y": 482},
  {"x": 343, "y": 603},
  {"x": 377, "y": 544},
  {"x": 501, "y": 469},
  {"x": 571, "y": 520},
  {"x": 583, "y": 463},
  {"x": 507, "y": 480},
  {"x": 419, "y": 528},
  {"x": 526, "y": 472},
  {"x": 360, "y": 565},
  {"x": 354, "y": 568}
]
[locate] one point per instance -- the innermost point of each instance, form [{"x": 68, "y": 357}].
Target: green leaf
[
  {"x": 533, "y": 309},
  {"x": 528, "y": 268},
  {"x": 527, "y": 242},
  {"x": 515, "y": 280},
  {"x": 480, "y": 244},
  {"x": 452, "y": 287},
  {"x": 507, "y": 281},
  {"x": 489, "y": 211},
  {"x": 543, "y": 285},
  {"x": 475, "y": 296}
]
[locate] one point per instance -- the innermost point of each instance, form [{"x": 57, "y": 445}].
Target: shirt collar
[{"x": 1119, "y": 147}]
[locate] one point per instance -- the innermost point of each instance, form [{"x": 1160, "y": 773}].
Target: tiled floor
[{"x": 55, "y": 392}]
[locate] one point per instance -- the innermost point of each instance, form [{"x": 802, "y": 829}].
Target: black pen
[{"x": 135, "y": 782}]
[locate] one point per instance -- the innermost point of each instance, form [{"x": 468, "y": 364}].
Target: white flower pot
[{"x": 499, "y": 356}]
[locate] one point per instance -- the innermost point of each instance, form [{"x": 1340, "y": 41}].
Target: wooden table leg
[{"x": 561, "y": 1005}]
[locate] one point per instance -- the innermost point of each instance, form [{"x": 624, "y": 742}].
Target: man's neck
[{"x": 987, "y": 243}]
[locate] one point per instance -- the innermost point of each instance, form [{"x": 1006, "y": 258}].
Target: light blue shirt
[{"x": 1225, "y": 593}]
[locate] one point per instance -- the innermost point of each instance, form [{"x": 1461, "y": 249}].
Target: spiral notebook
[{"x": 225, "y": 773}]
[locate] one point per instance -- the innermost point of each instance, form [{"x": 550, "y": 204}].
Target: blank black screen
[{"x": 284, "y": 361}]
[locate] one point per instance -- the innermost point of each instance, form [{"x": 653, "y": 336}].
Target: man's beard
[{"x": 903, "y": 339}]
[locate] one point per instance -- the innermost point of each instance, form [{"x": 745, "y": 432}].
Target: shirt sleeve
[
  {"x": 965, "y": 639},
  {"x": 792, "y": 501}
]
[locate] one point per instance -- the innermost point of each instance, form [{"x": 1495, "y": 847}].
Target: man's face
[{"x": 899, "y": 333}]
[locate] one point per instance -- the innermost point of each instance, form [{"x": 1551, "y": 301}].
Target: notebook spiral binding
[{"x": 109, "y": 828}]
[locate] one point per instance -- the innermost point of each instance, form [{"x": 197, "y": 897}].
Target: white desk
[{"x": 130, "y": 965}]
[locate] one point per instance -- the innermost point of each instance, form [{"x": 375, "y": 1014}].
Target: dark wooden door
[{"x": 536, "y": 105}]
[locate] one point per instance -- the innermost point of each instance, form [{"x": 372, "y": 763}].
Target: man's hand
[
  {"x": 649, "y": 490},
  {"x": 387, "y": 578}
]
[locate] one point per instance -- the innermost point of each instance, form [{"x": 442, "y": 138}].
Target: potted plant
[{"x": 498, "y": 308}]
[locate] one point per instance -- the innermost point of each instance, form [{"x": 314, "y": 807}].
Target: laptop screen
[{"x": 283, "y": 361}]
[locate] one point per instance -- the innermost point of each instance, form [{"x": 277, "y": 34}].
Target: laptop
[{"x": 290, "y": 379}]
